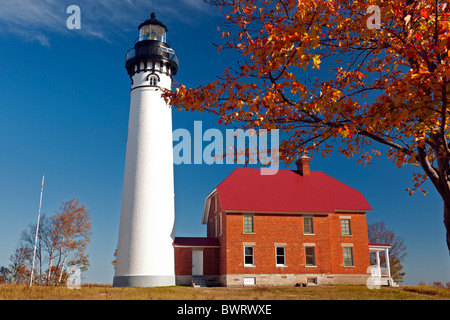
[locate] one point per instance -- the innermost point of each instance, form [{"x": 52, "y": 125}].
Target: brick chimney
[{"x": 303, "y": 165}]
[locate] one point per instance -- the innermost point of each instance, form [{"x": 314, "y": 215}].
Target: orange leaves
[
  {"x": 248, "y": 10},
  {"x": 388, "y": 85},
  {"x": 298, "y": 86},
  {"x": 316, "y": 61},
  {"x": 424, "y": 13},
  {"x": 418, "y": 179},
  {"x": 73, "y": 223}
]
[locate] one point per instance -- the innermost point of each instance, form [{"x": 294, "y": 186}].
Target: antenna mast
[{"x": 37, "y": 230}]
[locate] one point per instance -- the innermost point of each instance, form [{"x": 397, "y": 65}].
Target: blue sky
[{"x": 64, "y": 113}]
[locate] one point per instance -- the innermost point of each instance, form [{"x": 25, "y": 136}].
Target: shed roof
[{"x": 196, "y": 242}]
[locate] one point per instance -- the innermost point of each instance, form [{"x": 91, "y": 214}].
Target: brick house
[{"x": 292, "y": 227}]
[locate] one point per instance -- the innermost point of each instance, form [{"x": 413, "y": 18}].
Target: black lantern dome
[{"x": 151, "y": 47}]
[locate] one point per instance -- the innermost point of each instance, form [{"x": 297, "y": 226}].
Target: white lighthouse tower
[{"x": 145, "y": 255}]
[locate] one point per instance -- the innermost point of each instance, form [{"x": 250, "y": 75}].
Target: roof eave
[
  {"x": 352, "y": 210},
  {"x": 206, "y": 207}
]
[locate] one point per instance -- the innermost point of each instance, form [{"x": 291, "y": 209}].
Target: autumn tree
[
  {"x": 62, "y": 240},
  {"x": 378, "y": 233},
  {"x": 385, "y": 89},
  {"x": 113, "y": 262},
  {"x": 72, "y": 229},
  {"x": 5, "y": 275},
  {"x": 20, "y": 268},
  {"x": 27, "y": 241}
]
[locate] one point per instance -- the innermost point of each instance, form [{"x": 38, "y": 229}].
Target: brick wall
[
  {"x": 215, "y": 212},
  {"x": 183, "y": 260},
  {"x": 358, "y": 238},
  {"x": 271, "y": 230}
]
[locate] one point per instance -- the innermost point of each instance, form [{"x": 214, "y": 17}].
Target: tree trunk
[
  {"x": 447, "y": 222},
  {"x": 50, "y": 261},
  {"x": 61, "y": 247},
  {"x": 440, "y": 178},
  {"x": 62, "y": 266}
]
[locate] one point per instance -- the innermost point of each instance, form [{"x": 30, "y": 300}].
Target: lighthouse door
[{"x": 197, "y": 262}]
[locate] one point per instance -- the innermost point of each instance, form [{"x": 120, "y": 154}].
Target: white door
[{"x": 197, "y": 262}]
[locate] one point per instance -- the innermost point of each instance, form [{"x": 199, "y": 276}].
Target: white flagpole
[{"x": 37, "y": 230}]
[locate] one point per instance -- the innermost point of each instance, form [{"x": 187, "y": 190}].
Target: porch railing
[{"x": 379, "y": 272}]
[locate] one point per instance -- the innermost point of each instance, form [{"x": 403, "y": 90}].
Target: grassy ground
[{"x": 99, "y": 292}]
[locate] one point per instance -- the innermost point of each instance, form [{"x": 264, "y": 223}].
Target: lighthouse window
[{"x": 153, "y": 81}]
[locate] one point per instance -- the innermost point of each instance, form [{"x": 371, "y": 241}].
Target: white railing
[
  {"x": 384, "y": 272},
  {"x": 376, "y": 271}
]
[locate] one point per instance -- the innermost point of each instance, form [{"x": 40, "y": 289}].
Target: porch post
[
  {"x": 388, "y": 266},
  {"x": 378, "y": 264}
]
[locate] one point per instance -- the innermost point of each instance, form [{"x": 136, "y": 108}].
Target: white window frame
[
  {"x": 284, "y": 256},
  {"x": 252, "y": 255}
]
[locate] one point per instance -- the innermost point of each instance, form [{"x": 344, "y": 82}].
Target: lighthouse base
[{"x": 143, "y": 281}]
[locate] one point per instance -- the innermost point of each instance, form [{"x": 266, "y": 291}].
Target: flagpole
[{"x": 37, "y": 230}]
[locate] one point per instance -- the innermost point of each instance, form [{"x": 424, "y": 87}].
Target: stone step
[{"x": 198, "y": 281}]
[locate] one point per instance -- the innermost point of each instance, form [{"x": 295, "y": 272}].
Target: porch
[{"x": 381, "y": 276}]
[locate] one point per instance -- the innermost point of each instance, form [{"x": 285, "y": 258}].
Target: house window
[
  {"x": 220, "y": 224},
  {"x": 249, "y": 260},
  {"x": 248, "y": 224},
  {"x": 308, "y": 225},
  {"x": 345, "y": 227},
  {"x": 249, "y": 281},
  {"x": 310, "y": 258},
  {"x": 348, "y": 256},
  {"x": 280, "y": 256}
]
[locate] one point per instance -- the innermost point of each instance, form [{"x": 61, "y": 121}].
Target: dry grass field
[{"x": 106, "y": 292}]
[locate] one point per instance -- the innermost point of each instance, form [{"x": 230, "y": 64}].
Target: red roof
[
  {"x": 245, "y": 189},
  {"x": 379, "y": 244},
  {"x": 196, "y": 242}
]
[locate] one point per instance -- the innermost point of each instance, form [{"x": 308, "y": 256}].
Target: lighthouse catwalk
[{"x": 145, "y": 255}]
